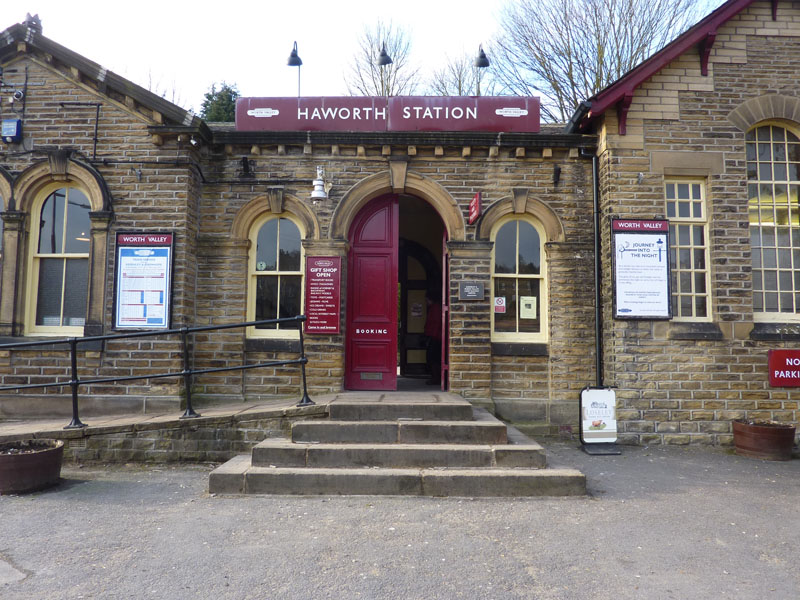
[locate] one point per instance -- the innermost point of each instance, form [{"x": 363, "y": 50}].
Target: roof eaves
[
  {"x": 20, "y": 33},
  {"x": 625, "y": 85}
]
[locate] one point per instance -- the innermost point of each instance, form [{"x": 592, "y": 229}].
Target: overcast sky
[{"x": 182, "y": 47}]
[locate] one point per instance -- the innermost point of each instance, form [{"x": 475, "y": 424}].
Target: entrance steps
[{"x": 398, "y": 444}]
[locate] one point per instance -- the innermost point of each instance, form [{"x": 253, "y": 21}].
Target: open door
[{"x": 371, "y": 337}]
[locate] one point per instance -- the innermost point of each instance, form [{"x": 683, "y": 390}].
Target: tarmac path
[{"x": 659, "y": 523}]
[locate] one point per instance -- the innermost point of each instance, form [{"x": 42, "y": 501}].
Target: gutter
[{"x": 598, "y": 312}]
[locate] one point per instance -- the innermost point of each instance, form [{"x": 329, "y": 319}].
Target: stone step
[
  {"x": 283, "y": 453},
  {"x": 238, "y": 476},
  {"x": 400, "y": 432},
  {"x": 394, "y": 410}
]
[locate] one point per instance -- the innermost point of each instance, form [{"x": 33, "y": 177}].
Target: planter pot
[
  {"x": 766, "y": 440},
  {"x": 30, "y": 465}
]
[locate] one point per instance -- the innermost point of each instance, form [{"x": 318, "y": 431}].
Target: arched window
[
  {"x": 275, "y": 275},
  {"x": 773, "y": 182},
  {"x": 519, "y": 311},
  {"x": 59, "y": 273}
]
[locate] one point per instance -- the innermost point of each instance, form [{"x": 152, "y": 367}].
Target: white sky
[{"x": 182, "y": 47}]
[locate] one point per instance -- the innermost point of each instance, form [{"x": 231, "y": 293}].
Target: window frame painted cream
[
  {"x": 252, "y": 275},
  {"x": 34, "y": 261},
  {"x": 540, "y": 337},
  {"x": 763, "y": 315},
  {"x": 690, "y": 221}
]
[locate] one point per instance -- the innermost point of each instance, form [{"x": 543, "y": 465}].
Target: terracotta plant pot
[
  {"x": 30, "y": 465},
  {"x": 767, "y": 440}
]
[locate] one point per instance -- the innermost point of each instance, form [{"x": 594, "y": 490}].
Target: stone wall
[{"x": 682, "y": 382}]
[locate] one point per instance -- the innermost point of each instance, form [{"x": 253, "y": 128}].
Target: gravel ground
[{"x": 659, "y": 523}]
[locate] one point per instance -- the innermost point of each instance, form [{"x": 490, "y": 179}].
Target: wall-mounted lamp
[
  {"x": 640, "y": 178},
  {"x": 556, "y": 174},
  {"x": 246, "y": 170},
  {"x": 481, "y": 62},
  {"x": 319, "y": 192},
  {"x": 294, "y": 61},
  {"x": 384, "y": 58}
]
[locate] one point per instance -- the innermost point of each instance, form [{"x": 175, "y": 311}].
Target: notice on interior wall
[
  {"x": 641, "y": 269},
  {"x": 143, "y": 281},
  {"x": 323, "y": 291}
]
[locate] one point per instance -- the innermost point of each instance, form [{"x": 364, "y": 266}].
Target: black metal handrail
[{"x": 186, "y": 373}]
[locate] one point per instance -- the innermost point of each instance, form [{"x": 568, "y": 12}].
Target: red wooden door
[{"x": 371, "y": 352}]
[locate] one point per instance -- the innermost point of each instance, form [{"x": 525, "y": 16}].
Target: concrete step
[
  {"x": 388, "y": 410},
  {"x": 238, "y": 476},
  {"x": 400, "y": 432},
  {"x": 283, "y": 453}
]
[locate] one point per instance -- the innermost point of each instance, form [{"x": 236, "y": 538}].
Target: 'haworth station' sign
[{"x": 396, "y": 113}]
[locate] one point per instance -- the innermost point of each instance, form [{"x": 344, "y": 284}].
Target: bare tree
[
  {"x": 460, "y": 77},
  {"x": 567, "y": 50},
  {"x": 367, "y": 78}
]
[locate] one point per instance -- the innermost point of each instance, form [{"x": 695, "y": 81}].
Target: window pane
[
  {"x": 505, "y": 287},
  {"x": 78, "y": 224},
  {"x": 75, "y": 292},
  {"x": 701, "y": 309},
  {"x": 787, "y": 304},
  {"x": 290, "y": 298},
  {"x": 528, "y": 249},
  {"x": 505, "y": 249},
  {"x": 266, "y": 299},
  {"x": 700, "y": 283},
  {"x": 48, "y": 297},
  {"x": 289, "y": 246},
  {"x": 51, "y": 223},
  {"x": 771, "y": 302},
  {"x": 267, "y": 248}
]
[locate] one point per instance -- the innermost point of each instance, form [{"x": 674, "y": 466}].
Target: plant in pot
[
  {"x": 30, "y": 465},
  {"x": 765, "y": 439}
]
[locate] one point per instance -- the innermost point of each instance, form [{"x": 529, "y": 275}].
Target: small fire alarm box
[{"x": 12, "y": 131}]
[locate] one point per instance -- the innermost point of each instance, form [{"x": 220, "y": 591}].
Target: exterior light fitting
[
  {"x": 383, "y": 58},
  {"x": 481, "y": 61},
  {"x": 294, "y": 61},
  {"x": 319, "y": 193}
]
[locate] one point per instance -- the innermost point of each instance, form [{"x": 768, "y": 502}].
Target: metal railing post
[
  {"x": 306, "y": 400},
  {"x": 73, "y": 383},
  {"x": 187, "y": 375}
]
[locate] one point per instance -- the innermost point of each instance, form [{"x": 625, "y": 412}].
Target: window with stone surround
[
  {"x": 59, "y": 262},
  {"x": 688, "y": 235},
  {"x": 275, "y": 275},
  {"x": 773, "y": 181},
  {"x": 519, "y": 312}
]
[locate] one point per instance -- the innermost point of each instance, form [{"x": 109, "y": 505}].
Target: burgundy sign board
[
  {"x": 397, "y": 113},
  {"x": 323, "y": 293},
  {"x": 784, "y": 368},
  {"x": 475, "y": 208},
  {"x": 639, "y": 225}
]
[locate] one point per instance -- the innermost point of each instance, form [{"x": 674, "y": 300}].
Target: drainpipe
[{"x": 598, "y": 312}]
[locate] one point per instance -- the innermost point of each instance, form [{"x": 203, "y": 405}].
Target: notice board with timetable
[{"x": 143, "y": 280}]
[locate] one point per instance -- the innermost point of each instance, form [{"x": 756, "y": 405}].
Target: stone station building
[{"x": 702, "y": 135}]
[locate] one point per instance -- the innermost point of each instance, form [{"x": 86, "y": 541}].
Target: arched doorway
[{"x": 395, "y": 262}]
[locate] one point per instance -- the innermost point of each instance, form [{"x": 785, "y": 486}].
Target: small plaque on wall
[{"x": 470, "y": 290}]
